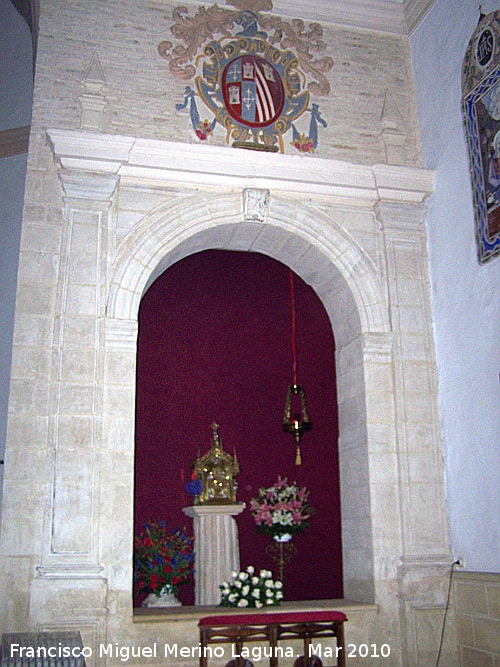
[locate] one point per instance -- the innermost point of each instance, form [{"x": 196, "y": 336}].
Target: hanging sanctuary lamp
[{"x": 295, "y": 418}]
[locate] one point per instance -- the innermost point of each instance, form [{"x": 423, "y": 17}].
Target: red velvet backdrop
[{"x": 215, "y": 344}]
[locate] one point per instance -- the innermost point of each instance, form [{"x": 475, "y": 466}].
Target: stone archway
[
  {"x": 355, "y": 233},
  {"x": 318, "y": 250}
]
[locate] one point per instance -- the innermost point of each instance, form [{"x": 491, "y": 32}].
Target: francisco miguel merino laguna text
[{"x": 125, "y": 652}]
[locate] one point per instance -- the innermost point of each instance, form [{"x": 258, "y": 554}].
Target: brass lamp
[{"x": 297, "y": 423}]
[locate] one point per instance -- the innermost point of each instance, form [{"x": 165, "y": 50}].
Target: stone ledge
[{"x": 476, "y": 577}]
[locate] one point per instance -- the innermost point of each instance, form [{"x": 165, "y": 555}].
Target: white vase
[
  {"x": 286, "y": 537},
  {"x": 166, "y": 598}
]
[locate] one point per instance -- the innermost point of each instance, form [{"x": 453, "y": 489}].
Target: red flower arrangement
[{"x": 162, "y": 557}]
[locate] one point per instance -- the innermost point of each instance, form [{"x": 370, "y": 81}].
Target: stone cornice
[
  {"x": 389, "y": 16},
  {"x": 198, "y": 166},
  {"x": 379, "y": 15}
]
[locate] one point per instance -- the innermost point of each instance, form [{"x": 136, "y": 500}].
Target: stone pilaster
[
  {"x": 76, "y": 386},
  {"x": 425, "y": 558},
  {"x": 70, "y": 550}
]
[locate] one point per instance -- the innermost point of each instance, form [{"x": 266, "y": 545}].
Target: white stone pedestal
[{"x": 216, "y": 546}]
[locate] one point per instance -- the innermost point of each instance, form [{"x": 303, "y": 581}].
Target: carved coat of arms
[{"x": 256, "y": 79}]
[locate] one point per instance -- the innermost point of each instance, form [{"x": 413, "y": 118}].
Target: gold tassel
[{"x": 298, "y": 458}]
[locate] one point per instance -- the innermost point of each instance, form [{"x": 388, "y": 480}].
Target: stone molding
[
  {"x": 193, "y": 165},
  {"x": 168, "y": 233},
  {"x": 468, "y": 576},
  {"x": 70, "y": 571},
  {"x": 213, "y": 510},
  {"x": 91, "y": 186},
  {"x": 378, "y": 346},
  {"x": 398, "y": 219},
  {"x": 400, "y": 18},
  {"x": 414, "y": 564},
  {"x": 121, "y": 334}
]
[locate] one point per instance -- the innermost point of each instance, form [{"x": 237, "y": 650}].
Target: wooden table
[{"x": 237, "y": 629}]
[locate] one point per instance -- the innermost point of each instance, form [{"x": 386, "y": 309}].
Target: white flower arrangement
[
  {"x": 281, "y": 510},
  {"x": 247, "y": 589}
]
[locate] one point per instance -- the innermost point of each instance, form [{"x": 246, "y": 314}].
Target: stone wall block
[
  {"x": 427, "y": 522},
  {"x": 414, "y": 347},
  {"x": 14, "y": 599},
  {"x": 352, "y": 411},
  {"x": 79, "y": 331},
  {"x": 118, "y": 433},
  {"x": 419, "y": 469},
  {"x": 75, "y": 432},
  {"x": 419, "y": 407},
  {"x": 76, "y": 399},
  {"x": 72, "y": 532},
  {"x": 83, "y": 269},
  {"x": 84, "y": 602},
  {"x": 21, "y": 396},
  {"x": 38, "y": 268},
  {"x": 36, "y": 299},
  {"x": 30, "y": 363},
  {"x": 33, "y": 331},
  {"x": 410, "y": 319},
  {"x": 120, "y": 366},
  {"x": 349, "y": 355},
  {"x": 20, "y": 499},
  {"x": 381, "y": 438},
  {"x": 315, "y": 268},
  {"x": 41, "y": 239},
  {"x": 379, "y": 407},
  {"x": 476, "y": 606},
  {"x": 417, "y": 378},
  {"x": 84, "y": 233},
  {"x": 119, "y": 401},
  {"x": 80, "y": 300},
  {"x": 78, "y": 365},
  {"x": 360, "y": 540}
]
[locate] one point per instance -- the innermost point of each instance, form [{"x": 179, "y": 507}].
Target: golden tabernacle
[{"x": 217, "y": 471}]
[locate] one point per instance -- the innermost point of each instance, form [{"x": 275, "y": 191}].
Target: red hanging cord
[{"x": 294, "y": 332}]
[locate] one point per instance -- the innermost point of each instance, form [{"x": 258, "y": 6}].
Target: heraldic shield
[{"x": 253, "y": 89}]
